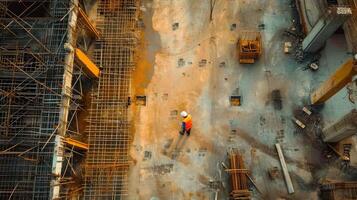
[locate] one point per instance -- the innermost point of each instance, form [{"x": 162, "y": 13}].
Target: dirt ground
[{"x": 188, "y": 61}]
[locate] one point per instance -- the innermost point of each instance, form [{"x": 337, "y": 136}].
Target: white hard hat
[{"x": 184, "y": 114}]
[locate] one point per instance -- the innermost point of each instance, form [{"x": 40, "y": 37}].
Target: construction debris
[
  {"x": 314, "y": 66},
  {"x": 307, "y": 111},
  {"x": 287, "y": 46},
  {"x": 288, "y": 182},
  {"x": 342, "y": 156},
  {"x": 277, "y": 100},
  {"x": 249, "y": 47},
  {"x": 255, "y": 185},
  {"x": 239, "y": 177},
  {"x": 299, "y": 123},
  {"x": 273, "y": 173}
]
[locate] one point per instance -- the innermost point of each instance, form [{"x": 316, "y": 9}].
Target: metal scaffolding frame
[
  {"x": 41, "y": 94},
  {"x": 30, "y": 81},
  {"x": 33, "y": 50},
  {"x": 109, "y": 138}
]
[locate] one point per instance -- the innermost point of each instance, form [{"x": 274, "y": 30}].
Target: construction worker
[{"x": 186, "y": 123}]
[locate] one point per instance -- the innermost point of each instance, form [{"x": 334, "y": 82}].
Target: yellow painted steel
[
  {"x": 335, "y": 83},
  {"x": 90, "y": 27},
  {"x": 76, "y": 143},
  {"x": 88, "y": 66}
]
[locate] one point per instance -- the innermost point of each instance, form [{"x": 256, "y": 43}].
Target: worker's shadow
[{"x": 177, "y": 148}]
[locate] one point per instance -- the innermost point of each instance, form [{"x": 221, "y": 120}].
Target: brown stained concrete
[{"x": 173, "y": 76}]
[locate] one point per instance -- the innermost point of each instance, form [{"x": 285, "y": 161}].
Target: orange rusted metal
[
  {"x": 239, "y": 177},
  {"x": 90, "y": 27},
  {"x": 76, "y": 143},
  {"x": 88, "y": 66},
  {"x": 249, "y": 47},
  {"x": 105, "y": 166}
]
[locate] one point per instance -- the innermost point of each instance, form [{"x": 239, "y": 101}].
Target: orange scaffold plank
[
  {"x": 88, "y": 66},
  {"x": 76, "y": 143}
]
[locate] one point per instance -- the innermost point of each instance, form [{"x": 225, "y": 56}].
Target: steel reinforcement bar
[{"x": 109, "y": 138}]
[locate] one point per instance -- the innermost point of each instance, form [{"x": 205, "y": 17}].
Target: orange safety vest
[{"x": 188, "y": 122}]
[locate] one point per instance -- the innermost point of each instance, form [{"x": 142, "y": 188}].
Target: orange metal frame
[{"x": 249, "y": 49}]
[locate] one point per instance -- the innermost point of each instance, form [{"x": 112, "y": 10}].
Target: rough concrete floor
[{"x": 178, "y": 36}]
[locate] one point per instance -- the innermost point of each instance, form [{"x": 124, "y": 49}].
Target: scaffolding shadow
[{"x": 177, "y": 148}]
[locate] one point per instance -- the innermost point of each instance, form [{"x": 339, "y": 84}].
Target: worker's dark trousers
[{"x": 186, "y": 131}]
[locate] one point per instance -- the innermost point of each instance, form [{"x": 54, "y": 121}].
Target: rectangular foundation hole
[
  {"x": 174, "y": 113},
  {"x": 235, "y": 100},
  {"x": 181, "y": 62},
  {"x": 140, "y": 100},
  {"x": 277, "y": 100},
  {"x": 202, "y": 63}
]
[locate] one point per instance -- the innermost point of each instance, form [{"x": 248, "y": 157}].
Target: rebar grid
[
  {"x": 238, "y": 177},
  {"x": 332, "y": 190},
  {"x": 31, "y": 75},
  {"x": 109, "y": 138}
]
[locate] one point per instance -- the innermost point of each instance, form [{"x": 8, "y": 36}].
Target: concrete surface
[
  {"x": 173, "y": 76},
  {"x": 311, "y": 11}
]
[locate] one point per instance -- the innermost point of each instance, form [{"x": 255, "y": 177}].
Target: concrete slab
[{"x": 179, "y": 35}]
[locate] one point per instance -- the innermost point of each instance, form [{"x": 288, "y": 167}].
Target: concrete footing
[
  {"x": 325, "y": 27},
  {"x": 343, "y": 128}
]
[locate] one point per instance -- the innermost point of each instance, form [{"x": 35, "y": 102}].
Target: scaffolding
[
  {"x": 35, "y": 84},
  {"x": 334, "y": 190},
  {"x": 109, "y": 138},
  {"x": 30, "y": 85}
]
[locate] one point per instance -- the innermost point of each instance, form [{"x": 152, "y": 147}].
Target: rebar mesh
[{"x": 108, "y": 132}]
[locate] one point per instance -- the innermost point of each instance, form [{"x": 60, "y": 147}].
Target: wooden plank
[
  {"x": 76, "y": 143},
  {"x": 288, "y": 182},
  {"x": 87, "y": 65}
]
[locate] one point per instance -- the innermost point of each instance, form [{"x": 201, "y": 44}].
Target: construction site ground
[{"x": 188, "y": 61}]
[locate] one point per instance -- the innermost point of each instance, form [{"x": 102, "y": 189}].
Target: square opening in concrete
[
  {"x": 140, "y": 100},
  {"x": 235, "y": 100}
]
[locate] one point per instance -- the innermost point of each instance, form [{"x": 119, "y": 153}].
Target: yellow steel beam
[
  {"x": 335, "y": 83},
  {"x": 90, "y": 27},
  {"x": 76, "y": 143},
  {"x": 88, "y": 66}
]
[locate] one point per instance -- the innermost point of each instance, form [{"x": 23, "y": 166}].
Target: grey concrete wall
[
  {"x": 343, "y": 128},
  {"x": 325, "y": 27}
]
